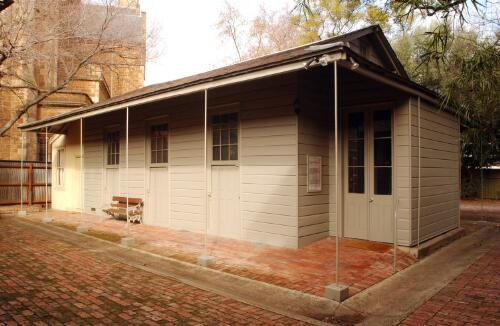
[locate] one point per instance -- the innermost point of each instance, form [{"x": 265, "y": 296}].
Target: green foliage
[{"x": 326, "y": 18}]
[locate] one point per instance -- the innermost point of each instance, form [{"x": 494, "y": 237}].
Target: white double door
[
  {"x": 224, "y": 202},
  {"x": 368, "y": 175},
  {"x": 157, "y": 197}
]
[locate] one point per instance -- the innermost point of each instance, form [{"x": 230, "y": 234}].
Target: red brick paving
[
  {"x": 309, "y": 269},
  {"x": 44, "y": 281},
  {"x": 473, "y": 298}
]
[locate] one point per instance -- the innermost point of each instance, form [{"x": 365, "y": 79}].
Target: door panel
[
  {"x": 112, "y": 187},
  {"x": 156, "y": 204},
  {"x": 356, "y": 208},
  {"x": 381, "y": 203},
  {"x": 224, "y": 219}
]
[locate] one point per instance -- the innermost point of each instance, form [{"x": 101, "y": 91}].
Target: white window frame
[
  {"x": 149, "y": 125},
  {"x": 311, "y": 187},
  {"x": 108, "y": 131},
  {"x": 59, "y": 167},
  {"x": 218, "y": 111}
]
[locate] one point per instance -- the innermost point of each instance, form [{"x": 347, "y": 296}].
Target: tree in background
[
  {"x": 320, "y": 19},
  {"x": 45, "y": 45},
  {"x": 268, "y": 32}
]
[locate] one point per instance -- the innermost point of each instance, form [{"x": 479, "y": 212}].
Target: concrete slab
[
  {"x": 127, "y": 241},
  {"x": 82, "y": 228},
  {"x": 337, "y": 292},
  {"x": 205, "y": 260},
  {"x": 21, "y": 214},
  {"x": 432, "y": 245},
  {"x": 47, "y": 219}
]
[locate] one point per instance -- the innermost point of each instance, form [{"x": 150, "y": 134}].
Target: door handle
[{"x": 371, "y": 200}]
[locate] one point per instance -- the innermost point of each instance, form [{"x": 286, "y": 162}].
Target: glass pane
[
  {"x": 153, "y": 157},
  {"x": 216, "y": 137},
  {"x": 382, "y": 124},
  {"x": 165, "y": 157},
  {"x": 383, "y": 181},
  {"x": 356, "y": 152},
  {"x": 382, "y": 152},
  {"x": 357, "y": 180},
  {"x": 356, "y": 122},
  {"x": 216, "y": 153},
  {"x": 224, "y": 153},
  {"x": 233, "y": 137},
  {"x": 224, "y": 137},
  {"x": 233, "y": 152}
]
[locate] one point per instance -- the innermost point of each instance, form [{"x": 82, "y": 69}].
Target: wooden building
[{"x": 249, "y": 151}]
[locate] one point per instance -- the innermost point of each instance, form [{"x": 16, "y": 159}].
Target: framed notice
[{"x": 313, "y": 173}]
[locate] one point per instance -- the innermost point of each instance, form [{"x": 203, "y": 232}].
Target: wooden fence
[{"x": 34, "y": 177}]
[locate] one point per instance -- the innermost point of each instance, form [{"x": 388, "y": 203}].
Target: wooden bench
[{"x": 119, "y": 209}]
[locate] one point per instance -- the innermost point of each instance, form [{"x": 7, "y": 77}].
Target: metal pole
[
  {"x": 22, "y": 172},
  {"x": 395, "y": 237},
  {"x": 419, "y": 180},
  {"x": 337, "y": 235},
  {"x": 205, "y": 164},
  {"x": 126, "y": 163},
  {"x": 481, "y": 174},
  {"x": 46, "y": 171},
  {"x": 82, "y": 187},
  {"x": 459, "y": 168}
]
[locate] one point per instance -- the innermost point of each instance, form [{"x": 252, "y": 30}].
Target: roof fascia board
[
  {"x": 193, "y": 89},
  {"x": 393, "y": 83}
]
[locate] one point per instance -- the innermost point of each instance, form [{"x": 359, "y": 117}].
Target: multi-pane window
[
  {"x": 60, "y": 167},
  {"x": 225, "y": 137},
  {"x": 113, "y": 148},
  {"x": 159, "y": 143},
  {"x": 356, "y": 152},
  {"x": 382, "y": 152}
]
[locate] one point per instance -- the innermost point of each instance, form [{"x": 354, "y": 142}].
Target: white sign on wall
[{"x": 313, "y": 173}]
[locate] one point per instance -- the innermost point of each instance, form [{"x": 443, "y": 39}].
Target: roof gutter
[{"x": 322, "y": 60}]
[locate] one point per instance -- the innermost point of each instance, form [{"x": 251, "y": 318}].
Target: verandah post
[
  {"x": 338, "y": 292},
  {"x": 46, "y": 218},
  {"x": 205, "y": 259},
  {"x": 21, "y": 212}
]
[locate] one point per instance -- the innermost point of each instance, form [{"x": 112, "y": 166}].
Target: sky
[{"x": 189, "y": 39}]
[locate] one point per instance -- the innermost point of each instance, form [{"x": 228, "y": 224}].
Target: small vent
[{"x": 92, "y": 209}]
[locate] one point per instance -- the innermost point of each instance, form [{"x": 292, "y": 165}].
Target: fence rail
[{"x": 33, "y": 178}]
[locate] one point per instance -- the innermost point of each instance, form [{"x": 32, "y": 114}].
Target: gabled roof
[{"x": 306, "y": 52}]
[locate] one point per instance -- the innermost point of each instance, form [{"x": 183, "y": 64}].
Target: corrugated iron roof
[{"x": 273, "y": 60}]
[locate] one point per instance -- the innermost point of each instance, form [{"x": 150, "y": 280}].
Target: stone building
[{"x": 110, "y": 74}]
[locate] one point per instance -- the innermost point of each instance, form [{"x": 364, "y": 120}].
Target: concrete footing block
[
  {"x": 205, "y": 260},
  {"x": 127, "y": 241},
  {"x": 82, "y": 228},
  {"x": 337, "y": 292},
  {"x": 21, "y": 214},
  {"x": 47, "y": 219}
]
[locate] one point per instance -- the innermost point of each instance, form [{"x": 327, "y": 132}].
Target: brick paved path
[
  {"x": 473, "y": 298},
  {"x": 46, "y": 281}
]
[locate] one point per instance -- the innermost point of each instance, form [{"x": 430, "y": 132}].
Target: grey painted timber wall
[
  {"x": 439, "y": 171},
  {"x": 268, "y": 157}
]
